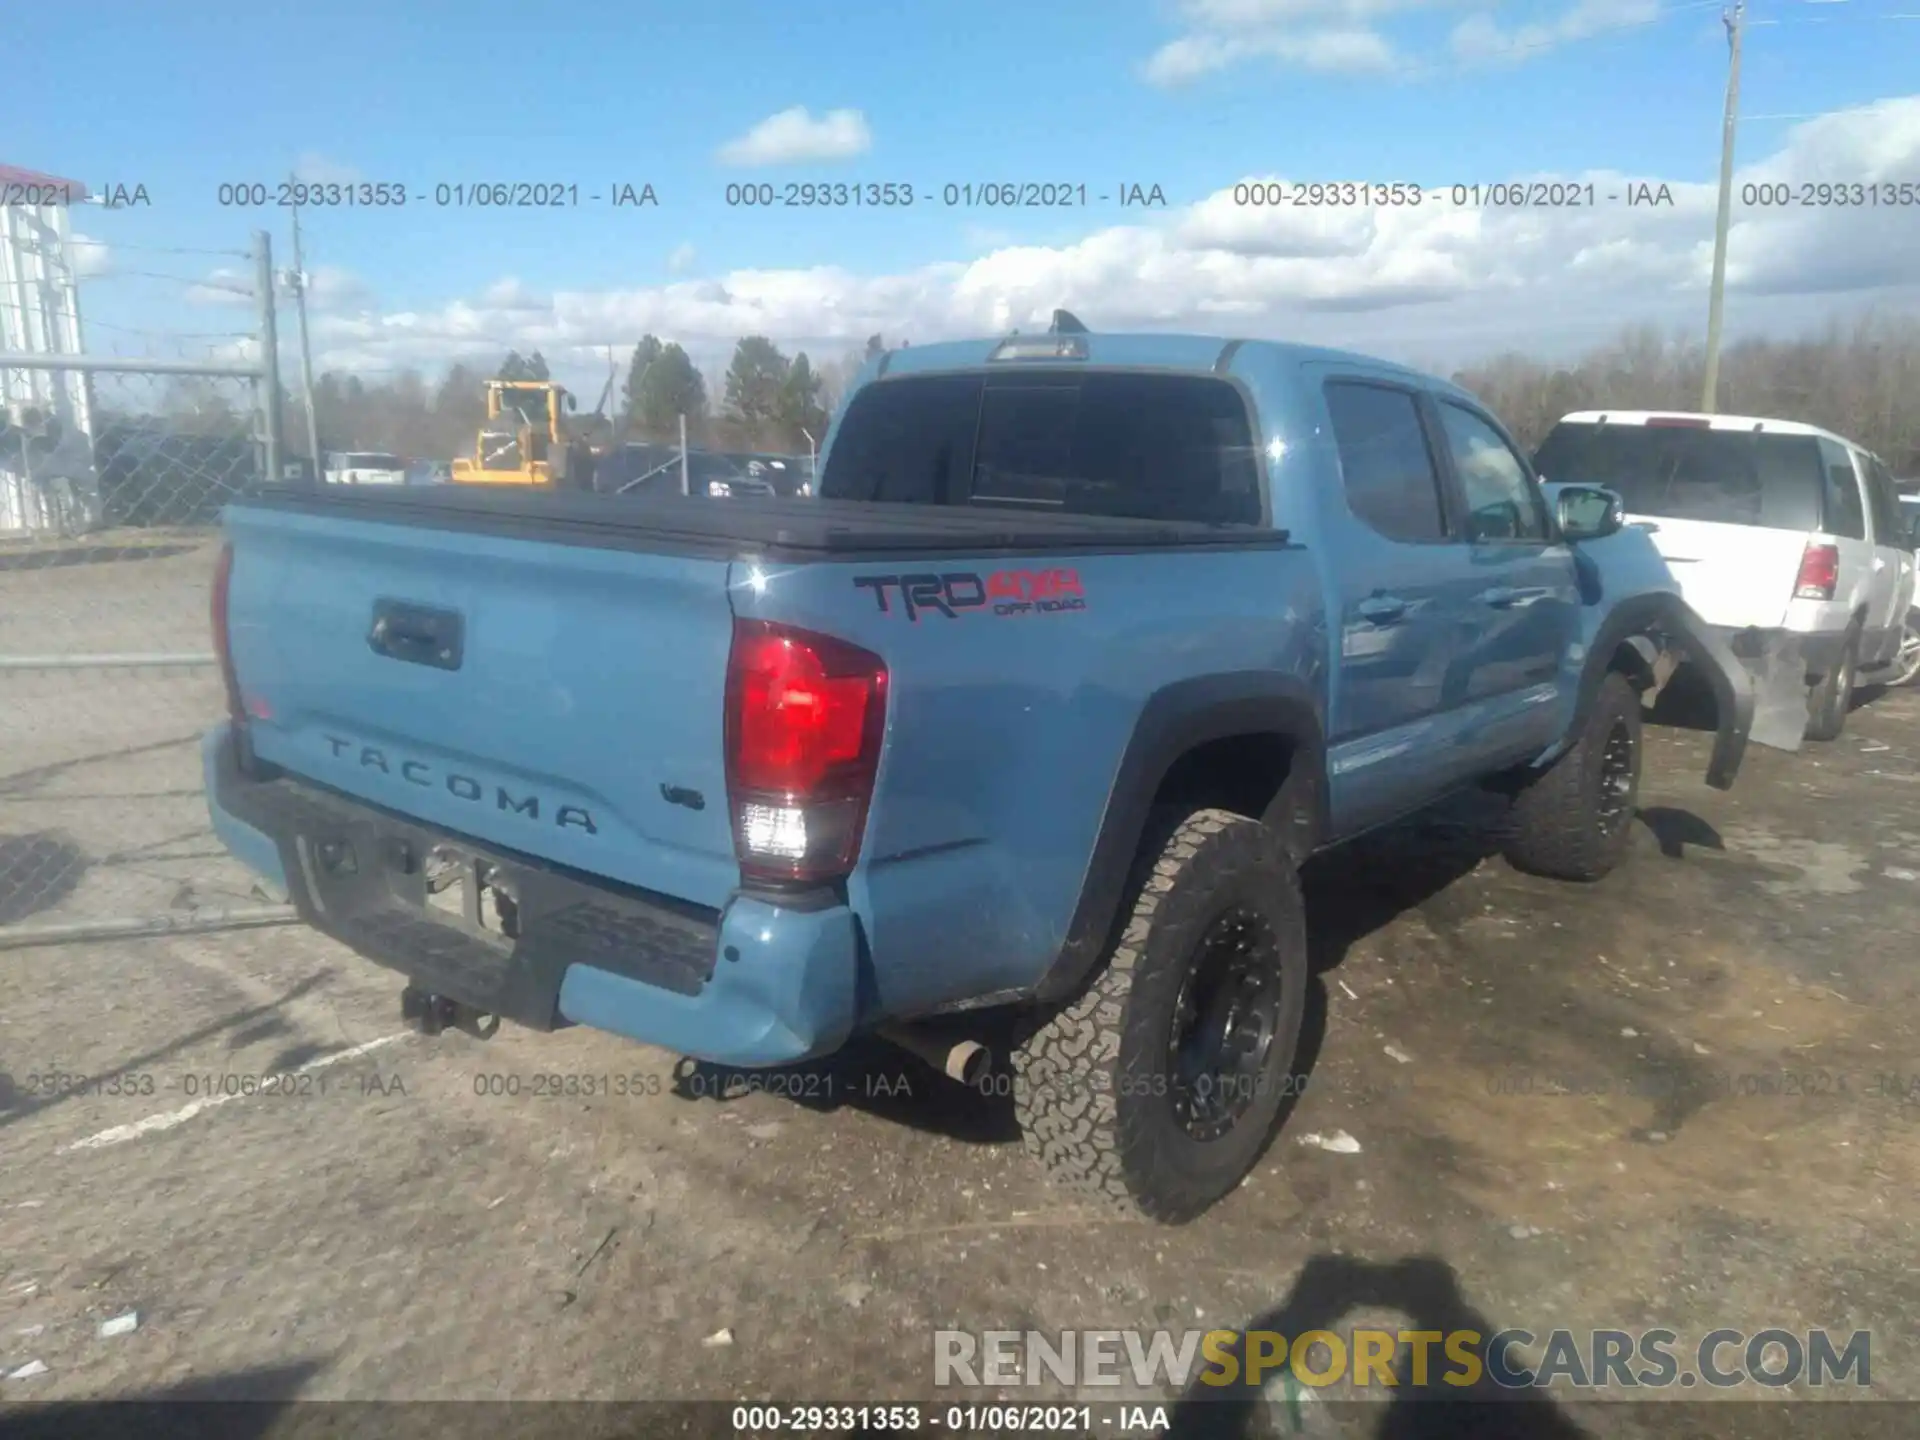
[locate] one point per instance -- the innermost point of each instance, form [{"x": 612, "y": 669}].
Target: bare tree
[{"x": 1860, "y": 379}]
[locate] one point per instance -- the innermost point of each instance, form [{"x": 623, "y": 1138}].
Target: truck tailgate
[
  {"x": 1730, "y": 574},
  {"x": 560, "y": 701}
]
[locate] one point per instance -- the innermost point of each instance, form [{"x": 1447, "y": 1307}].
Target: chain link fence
[{"x": 112, "y": 477}]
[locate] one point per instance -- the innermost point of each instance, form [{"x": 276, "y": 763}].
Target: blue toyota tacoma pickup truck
[{"x": 1085, "y": 644}]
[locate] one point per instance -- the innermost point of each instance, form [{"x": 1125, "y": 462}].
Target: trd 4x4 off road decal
[{"x": 1004, "y": 592}]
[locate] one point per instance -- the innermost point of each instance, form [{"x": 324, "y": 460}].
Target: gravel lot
[{"x": 395, "y": 1225}]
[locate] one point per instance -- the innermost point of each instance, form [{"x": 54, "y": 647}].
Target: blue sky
[{"x": 181, "y": 98}]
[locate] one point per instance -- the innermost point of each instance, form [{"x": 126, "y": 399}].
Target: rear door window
[
  {"x": 1736, "y": 477},
  {"x": 1157, "y": 447},
  {"x": 1888, "y": 528},
  {"x": 1846, "y": 516},
  {"x": 1386, "y": 466}
]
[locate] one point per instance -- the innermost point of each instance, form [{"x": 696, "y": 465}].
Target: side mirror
[
  {"x": 1913, "y": 530},
  {"x": 1498, "y": 521},
  {"x": 1588, "y": 512}
]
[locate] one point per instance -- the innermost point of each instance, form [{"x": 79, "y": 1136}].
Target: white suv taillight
[
  {"x": 1819, "y": 573},
  {"x": 805, "y": 717}
]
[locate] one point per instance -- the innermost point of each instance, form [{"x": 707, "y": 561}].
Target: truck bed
[{"x": 774, "y": 528}]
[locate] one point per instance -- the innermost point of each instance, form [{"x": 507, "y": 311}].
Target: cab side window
[{"x": 1386, "y": 466}]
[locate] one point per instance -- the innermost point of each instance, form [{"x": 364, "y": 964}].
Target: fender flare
[
  {"x": 1176, "y": 719},
  {"x": 1671, "y": 621}
]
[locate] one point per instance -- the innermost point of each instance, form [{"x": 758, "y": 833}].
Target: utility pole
[
  {"x": 1735, "y": 21},
  {"x": 269, "y": 353},
  {"x": 297, "y": 278}
]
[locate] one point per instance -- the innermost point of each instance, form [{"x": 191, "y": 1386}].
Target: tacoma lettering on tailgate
[
  {"x": 463, "y": 787},
  {"x": 1004, "y": 592}
]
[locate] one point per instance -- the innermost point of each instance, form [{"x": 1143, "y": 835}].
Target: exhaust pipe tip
[
  {"x": 481, "y": 1027},
  {"x": 968, "y": 1062},
  {"x": 965, "y": 1061}
]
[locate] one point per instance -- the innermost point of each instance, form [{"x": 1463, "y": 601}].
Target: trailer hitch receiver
[{"x": 432, "y": 1014}]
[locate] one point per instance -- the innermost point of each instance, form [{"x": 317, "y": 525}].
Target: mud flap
[
  {"x": 1777, "y": 668},
  {"x": 1735, "y": 696}
]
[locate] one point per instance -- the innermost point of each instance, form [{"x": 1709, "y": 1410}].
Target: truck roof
[
  {"x": 1702, "y": 420},
  {"x": 1200, "y": 353}
]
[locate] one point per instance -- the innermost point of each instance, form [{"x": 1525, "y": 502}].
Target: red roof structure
[{"x": 13, "y": 176}]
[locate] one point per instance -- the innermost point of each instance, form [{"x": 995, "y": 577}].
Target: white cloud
[
  {"x": 1411, "y": 282},
  {"x": 512, "y": 296},
  {"x": 794, "y": 135},
  {"x": 1481, "y": 37},
  {"x": 91, "y": 257},
  {"x": 316, "y": 169},
  {"x": 332, "y": 288},
  {"x": 329, "y": 288},
  {"x": 682, "y": 258},
  {"x": 1347, "y": 49},
  {"x": 986, "y": 237},
  {"x": 1324, "y": 35},
  {"x": 222, "y": 286},
  {"x": 1346, "y": 36}
]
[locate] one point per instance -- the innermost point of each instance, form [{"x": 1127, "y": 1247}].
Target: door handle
[
  {"x": 1500, "y": 597},
  {"x": 1382, "y": 609},
  {"x": 417, "y": 634}
]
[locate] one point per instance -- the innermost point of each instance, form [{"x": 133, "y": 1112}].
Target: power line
[
  {"x": 202, "y": 284},
  {"x": 155, "y": 249}
]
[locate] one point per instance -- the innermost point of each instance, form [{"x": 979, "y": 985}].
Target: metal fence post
[{"x": 269, "y": 353}]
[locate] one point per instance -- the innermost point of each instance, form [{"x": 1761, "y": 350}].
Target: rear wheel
[
  {"x": 1576, "y": 821},
  {"x": 1156, "y": 1090},
  {"x": 1831, "y": 699},
  {"x": 1906, "y": 664}
]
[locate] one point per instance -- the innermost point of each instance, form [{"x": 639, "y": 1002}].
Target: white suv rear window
[{"x": 1737, "y": 477}]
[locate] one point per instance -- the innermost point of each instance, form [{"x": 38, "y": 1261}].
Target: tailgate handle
[{"x": 417, "y": 634}]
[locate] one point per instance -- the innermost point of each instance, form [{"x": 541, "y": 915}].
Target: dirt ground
[{"x": 1686, "y": 1096}]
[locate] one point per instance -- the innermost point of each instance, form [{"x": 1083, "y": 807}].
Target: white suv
[
  {"x": 359, "y": 467},
  {"x": 1786, "y": 538}
]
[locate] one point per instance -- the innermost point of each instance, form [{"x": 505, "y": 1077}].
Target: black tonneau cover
[{"x": 776, "y": 527}]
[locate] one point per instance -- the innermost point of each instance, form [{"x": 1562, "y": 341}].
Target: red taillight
[
  {"x": 805, "y": 715},
  {"x": 222, "y": 641},
  {"x": 1819, "y": 573}
]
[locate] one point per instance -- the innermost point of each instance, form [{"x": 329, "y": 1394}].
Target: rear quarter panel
[{"x": 1005, "y": 734}]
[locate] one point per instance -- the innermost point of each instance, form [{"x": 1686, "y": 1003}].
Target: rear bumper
[
  {"x": 755, "y": 983},
  {"x": 1818, "y": 651}
]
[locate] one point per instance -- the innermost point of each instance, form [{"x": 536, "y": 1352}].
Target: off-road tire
[
  {"x": 1830, "y": 700},
  {"x": 1091, "y": 1082},
  {"x": 1559, "y": 824}
]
